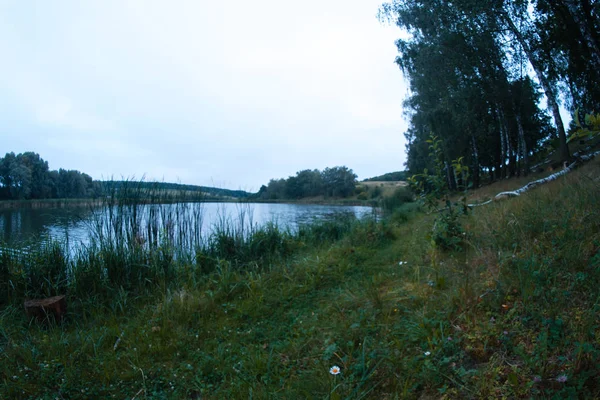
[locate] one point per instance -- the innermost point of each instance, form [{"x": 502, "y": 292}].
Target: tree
[
  {"x": 338, "y": 181},
  {"x": 466, "y": 62}
]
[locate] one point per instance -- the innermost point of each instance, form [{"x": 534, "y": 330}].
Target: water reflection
[{"x": 73, "y": 224}]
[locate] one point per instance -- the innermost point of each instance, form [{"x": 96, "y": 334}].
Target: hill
[
  {"x": 390, "y": 176},
  {"x": 207, "y": 190}
]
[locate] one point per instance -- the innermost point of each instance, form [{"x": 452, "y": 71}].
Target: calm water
[{"x": 31, "y": 225}]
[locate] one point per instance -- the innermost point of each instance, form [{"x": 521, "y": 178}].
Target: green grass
[{"x": 266, "y": 313}]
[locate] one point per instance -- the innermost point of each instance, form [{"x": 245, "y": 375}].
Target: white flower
[
  {"x": 403, "y": 262},
  {"x": 427, "y": 353},
  {"x": 334, "y": 370}
]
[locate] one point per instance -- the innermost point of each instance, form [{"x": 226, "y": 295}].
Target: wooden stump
[{"x": 41, "y": 309}]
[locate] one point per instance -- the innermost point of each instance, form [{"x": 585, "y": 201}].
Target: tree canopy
[
  {"x": 27, "y": 176},
  {"x": 478, "y": 70},
  {"x": 331, "y": 182}
]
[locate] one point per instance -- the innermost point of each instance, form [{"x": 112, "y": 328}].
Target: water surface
[{"x": 73, "y": 223}]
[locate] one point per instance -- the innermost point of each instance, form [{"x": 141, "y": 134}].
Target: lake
[{"x": 73, "y": 223}]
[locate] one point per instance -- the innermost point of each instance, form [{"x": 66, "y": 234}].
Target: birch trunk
[{"x": 550, "y": 96}]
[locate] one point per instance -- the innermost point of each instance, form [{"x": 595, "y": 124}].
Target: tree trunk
[
  {"x": 550, "y": 96},
  {"x": 450, "y": 176},
  {"x": 523, "y": 154},
  {"x": 504, "y": 145},
  {"x": 475, "y": 163}
]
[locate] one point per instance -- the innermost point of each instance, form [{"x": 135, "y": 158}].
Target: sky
[{"x": 218, "y": 93}]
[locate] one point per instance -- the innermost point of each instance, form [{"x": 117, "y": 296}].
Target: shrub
[
  {"x": 363, "y": 196},
  {"x": 400, "y": 196}
]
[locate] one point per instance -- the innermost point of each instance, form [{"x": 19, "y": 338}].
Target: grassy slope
[{"x": 511, "y": 317}]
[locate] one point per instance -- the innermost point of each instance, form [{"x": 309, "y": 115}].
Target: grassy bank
[{"x": 264, "y": 313}]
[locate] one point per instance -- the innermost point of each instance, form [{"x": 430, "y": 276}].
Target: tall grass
[
  {"x": 143, "y": 238},
  {"x": 261, "y": 312}
]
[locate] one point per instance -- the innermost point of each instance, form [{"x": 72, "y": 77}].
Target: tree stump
[{"x": 41, "y": 309}]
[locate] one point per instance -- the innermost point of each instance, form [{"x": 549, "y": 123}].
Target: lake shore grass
[{"x": 265, "y": 313}]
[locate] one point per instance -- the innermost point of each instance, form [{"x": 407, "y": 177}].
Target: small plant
[
  {"x": 401, "y": 196},
  {"x": 433, "y": 189}
]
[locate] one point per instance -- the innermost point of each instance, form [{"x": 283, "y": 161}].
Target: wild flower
[
  {"x": 430, "y": 283},
  {"x": 427, "y": 353},
  {"x": 449, "y": 338},
  {"x": 561, "y": 378},
  {"x": 402, "y": 263},
  {"x": 335, "y": 370},
  {"x": 537, "y": 379}
]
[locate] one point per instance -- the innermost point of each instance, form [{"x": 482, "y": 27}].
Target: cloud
[
  {"x": 230, "y": 92},
  {"x": 60, "y": 112}
]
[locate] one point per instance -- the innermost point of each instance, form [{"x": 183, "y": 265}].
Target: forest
[
  {"x": 27, "y": 176},
  {"x": 331, "y": 182},
  {"x": 489, "y": 78}
]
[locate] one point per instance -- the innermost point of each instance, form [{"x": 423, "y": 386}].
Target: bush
[
  {"x": 363, "y": 196},
  {"x": 400, "y": 196},
  {"x": 376, "y": 192},
  {"x": 319, "y": 232}
]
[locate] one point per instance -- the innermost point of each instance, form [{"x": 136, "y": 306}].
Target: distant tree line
[
  {"x": 331, "y": 182},
  {"x": 208, "y": 192},
  {"x": 478, "y": 71},
  {"x": 389, "y": 177},
  {"x": 26, "y": 176}
]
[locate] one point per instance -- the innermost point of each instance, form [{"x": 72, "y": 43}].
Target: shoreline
[{"x": 66, "y": 203}]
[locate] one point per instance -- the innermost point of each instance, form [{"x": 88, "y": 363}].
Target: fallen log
[{"x": 538, "y": 182}]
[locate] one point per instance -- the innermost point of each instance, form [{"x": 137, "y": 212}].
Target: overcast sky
[{"x": 224, "y": 93}]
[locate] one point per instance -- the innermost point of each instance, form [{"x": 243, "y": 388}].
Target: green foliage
[
  {"x": 466, "y": 62},
  {"x": 363, "y": 296},
  {"x": 389, "y": 177},
  {"x": 590, "y": 127},
  {"x": 322, "y": 232},
  {"x": 363, "y": 196},
  {"x": 26, "y": 176},
  {"x": 433, "y": 188},
  {"x": 401, "y": 196},
  {"x": 376, "y": 192},
  {"x": 331, "y": 182},
  {"x": 204, "y": 192}
]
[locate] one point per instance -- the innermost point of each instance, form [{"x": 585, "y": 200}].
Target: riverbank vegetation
[
  {"x": 260, "y": 312},
  {"x": 338, "y": 185}
]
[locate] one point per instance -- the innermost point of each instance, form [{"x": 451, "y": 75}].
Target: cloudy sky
[{"x": 224, "y": 93}]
